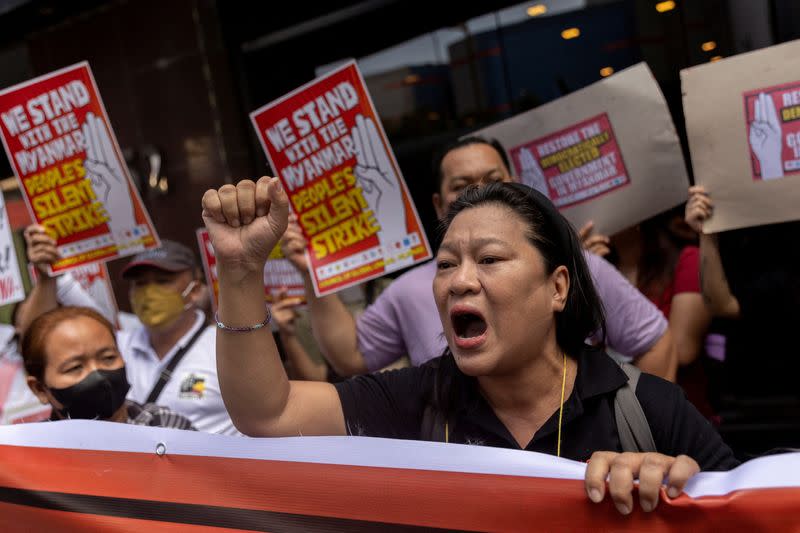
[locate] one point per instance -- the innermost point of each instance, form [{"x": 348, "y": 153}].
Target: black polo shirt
[{"x": 391, "y": 404}]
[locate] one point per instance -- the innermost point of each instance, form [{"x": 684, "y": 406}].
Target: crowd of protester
[{"x": 521, "y": 333}]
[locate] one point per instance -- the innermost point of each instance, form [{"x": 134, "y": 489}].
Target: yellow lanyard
[{"x": 561, "y": 409}]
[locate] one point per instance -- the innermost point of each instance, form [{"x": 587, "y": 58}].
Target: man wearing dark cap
[{"x": 171, "y": 358}]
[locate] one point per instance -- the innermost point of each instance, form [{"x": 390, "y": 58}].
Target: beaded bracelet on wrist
[{"x": 242, "y": 329}]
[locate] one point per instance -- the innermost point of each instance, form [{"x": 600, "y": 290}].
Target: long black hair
[{"x": 555, "y": 239}]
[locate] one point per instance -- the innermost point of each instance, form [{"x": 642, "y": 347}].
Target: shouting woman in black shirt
[{"x": 516, "y": 302}]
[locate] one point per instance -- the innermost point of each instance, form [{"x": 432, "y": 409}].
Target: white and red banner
[
  {"x": 327, "y": 145},
  {"x": 75, "y": 182},
  {"x": 279, "y": 274},
  {"x": 11, "y": 288},
  {"x": 100, "y": 476}
]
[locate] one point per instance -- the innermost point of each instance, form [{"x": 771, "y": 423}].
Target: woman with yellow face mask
[{"x": 157, "y": 303}]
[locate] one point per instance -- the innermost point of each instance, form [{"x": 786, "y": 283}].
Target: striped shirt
[{"x": 151, "y": 414}]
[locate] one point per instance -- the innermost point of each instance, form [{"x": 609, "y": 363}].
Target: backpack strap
[{"x": 634, "y": 431}]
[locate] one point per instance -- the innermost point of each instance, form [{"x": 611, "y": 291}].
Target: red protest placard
[
  {"x": 573, "y": 165},
  {"x": 279, "y": 274},
  {"x": 95, "y": 279},
  {"x": 326, "y": 144},
  {"x": 59, "y": 140},
  {"x": 11, "y": 288},
  {"x": 773, "y": 128},
  {"x": 209, "y": 260}
]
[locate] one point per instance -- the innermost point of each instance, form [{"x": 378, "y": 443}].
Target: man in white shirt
[{"x": 173, "y": 345}]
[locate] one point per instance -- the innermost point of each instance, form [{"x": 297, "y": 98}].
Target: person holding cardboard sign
[
  {"x": 750, "y": 276},
  {"x": 715, "y": 287},
  {"x": 659, "y": 256},
  {"x": 516, "y": 302}
]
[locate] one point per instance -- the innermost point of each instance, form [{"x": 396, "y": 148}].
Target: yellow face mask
[{"x": 158, "y": 306}]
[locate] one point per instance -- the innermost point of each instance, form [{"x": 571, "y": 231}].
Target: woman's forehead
[
  {"x": 78, "y": 330},
  {"x": 489, "y": 221}
]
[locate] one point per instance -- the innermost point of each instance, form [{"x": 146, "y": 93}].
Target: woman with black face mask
[{"x": 73, "y": 364}]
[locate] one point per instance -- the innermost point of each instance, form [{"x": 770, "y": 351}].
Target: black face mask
[{"x": 98, "y": 395}]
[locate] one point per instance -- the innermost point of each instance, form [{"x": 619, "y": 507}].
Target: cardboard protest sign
[
  {"x": 11, "y": 288},
  {"x": 743, "y": 124},
  {"x": 279, "y": 274},
  {"x": 326, "y": 144},
  {"x": 607, "y": 153},
  {"x": 58, "y": 138}
]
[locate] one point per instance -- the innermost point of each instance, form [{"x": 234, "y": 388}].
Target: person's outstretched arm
[
  {"x": 716, "y": 291},
  {"x": 50, "y": 292},
  {"x": 245, "y": 223},
  {"x": 634, "y": 326},
  {"x": 42, "y": 252},
  {"x": 689, "y": 316},
  {"x": 661, "y": 360},
  {"x": 333, "y": 326}
]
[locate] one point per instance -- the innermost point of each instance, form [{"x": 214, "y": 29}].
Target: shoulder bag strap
[
  {"x": 166, "y": 374},
  {"x": 634, "y": 431}
]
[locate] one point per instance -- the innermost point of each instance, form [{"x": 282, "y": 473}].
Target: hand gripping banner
[{"x": 101, "y": 476}]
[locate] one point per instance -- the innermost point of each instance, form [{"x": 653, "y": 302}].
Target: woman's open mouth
[{"x": 469, "y": 327}]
